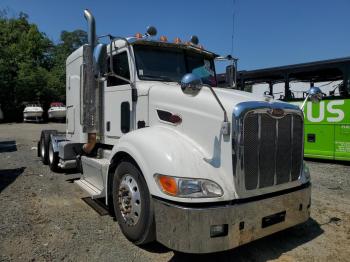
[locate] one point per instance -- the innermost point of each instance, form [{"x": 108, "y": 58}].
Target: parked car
[
  {"x": 33, "y": 112},
  {"x": 57, "y": 111}
]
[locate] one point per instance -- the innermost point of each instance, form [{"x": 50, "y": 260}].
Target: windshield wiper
[{"x": 157, "y": 78}]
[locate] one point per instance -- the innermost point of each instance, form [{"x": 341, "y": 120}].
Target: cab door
[{"x": 118, "y": 99}]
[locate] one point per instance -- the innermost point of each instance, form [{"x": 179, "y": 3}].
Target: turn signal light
[
  {"x": 168, "y": 184},
  {"x": 177, "y": 40},
  {"x": 163, "y": 38},
  {"x": 138, "y": 35}
]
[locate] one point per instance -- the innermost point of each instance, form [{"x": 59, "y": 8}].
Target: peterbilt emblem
[{"x": 276, "y": 112}]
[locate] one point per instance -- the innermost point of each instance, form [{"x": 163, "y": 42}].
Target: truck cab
[{"x": 198, "y": 168}]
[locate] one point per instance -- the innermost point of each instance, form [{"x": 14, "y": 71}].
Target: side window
[{"x": 121, "y": 68}]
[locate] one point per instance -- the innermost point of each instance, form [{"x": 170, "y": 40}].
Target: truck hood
[
  {"x": 202, "y": 118},
  {"x": 198, "y": 139},
  {"x": 171, "y": 92}
]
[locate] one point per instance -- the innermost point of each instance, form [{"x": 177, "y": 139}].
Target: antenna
[{"x": 233, "y": 24}]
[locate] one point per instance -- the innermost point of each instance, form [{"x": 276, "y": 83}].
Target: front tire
[{"x": 132, "y": 204}]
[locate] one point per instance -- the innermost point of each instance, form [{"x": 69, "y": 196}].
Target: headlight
[{"x": 188, "y": 187}]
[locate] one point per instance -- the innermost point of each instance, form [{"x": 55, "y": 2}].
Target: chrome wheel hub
[{"x": 129, "y": 200}]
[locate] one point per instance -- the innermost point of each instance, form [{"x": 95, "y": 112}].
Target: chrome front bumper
[{"x": 187, "y": 229}]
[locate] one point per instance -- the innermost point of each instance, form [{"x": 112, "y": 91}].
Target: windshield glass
[{"x": 171, "y": 64}]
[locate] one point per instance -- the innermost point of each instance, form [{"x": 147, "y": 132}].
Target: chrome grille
[{"x": 272, "y": 149}]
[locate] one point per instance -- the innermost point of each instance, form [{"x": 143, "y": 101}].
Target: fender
[{"x": 164, "y": 150}]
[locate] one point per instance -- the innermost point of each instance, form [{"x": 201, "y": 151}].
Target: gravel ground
[{"x": 43, "y": 217}]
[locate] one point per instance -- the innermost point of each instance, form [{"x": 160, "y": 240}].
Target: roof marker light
[
  {"x": 177, "y": 40},
  {"x": 163, "y": 38},
  {"x": 138, "y": 35}
]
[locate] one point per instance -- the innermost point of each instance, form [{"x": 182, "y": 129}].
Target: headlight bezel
[{"x": 189, "y": 187}]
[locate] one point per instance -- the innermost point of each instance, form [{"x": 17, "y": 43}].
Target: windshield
[{"x": 171, "y": 64}]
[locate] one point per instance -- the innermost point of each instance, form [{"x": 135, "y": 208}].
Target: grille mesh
[
  {"x": 251, "y": 127},
  {"x": 283, "y": 159},
  {"x": 267, "y": 150},
  {"x": 272, "y": 149}
]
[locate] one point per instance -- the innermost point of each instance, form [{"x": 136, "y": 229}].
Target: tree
[
  {"x": 32, "y": 68},
  {"x": 23, "y": 61}
]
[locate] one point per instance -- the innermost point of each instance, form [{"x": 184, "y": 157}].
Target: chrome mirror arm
[
  {"x": 226, "y": 124},
  {"x": 304, "y": 103},
  {"x": 192, "y": 84}
]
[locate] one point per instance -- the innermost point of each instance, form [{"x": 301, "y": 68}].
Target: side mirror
[
  {"x": 100, "y": 60},
  {"x": 315, "y": 94},
  {"x": 191, "y": 84},
  {"x": 230, "y": 75}
]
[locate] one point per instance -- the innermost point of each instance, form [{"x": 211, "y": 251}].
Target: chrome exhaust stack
[
  {"x": 90, "y": 91},
  {"x": 92, "y": 28}
]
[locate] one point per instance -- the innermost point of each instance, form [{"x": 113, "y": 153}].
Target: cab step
[
  {"x": 93, "y": 177},
  {"x": 93, "y": 191}
]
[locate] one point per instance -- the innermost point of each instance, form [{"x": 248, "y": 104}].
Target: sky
[{"x": 266, "y": 32}]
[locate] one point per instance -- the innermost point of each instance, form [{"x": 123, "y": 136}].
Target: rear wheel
[
  {"x": 132, "y": 204},
  {"x": 53, "y": 158},
  {"x": 44, "y": 145}
]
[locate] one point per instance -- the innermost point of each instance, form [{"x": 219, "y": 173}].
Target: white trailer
[{"x": 197, "y": 168}]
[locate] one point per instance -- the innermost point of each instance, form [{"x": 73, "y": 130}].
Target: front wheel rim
[{"x": 129, "y": 199}]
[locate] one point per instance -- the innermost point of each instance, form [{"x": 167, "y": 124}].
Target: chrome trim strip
[
  {"x": 276, "y": 147},
  {"x": 258, "y": 148},
  {"x": 291, "y": 146},
  {"x": 114, "y": 137},
  {"x": 242, "y": 108}
]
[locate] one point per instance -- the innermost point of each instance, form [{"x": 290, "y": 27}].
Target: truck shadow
[
  {"x": 268, "y": 248},
  {"x": 8, "y": 146},
  {"x": 8, "y": 176}
]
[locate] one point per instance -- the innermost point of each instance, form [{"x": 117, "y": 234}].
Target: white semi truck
[{"x": 196, "y": 168}]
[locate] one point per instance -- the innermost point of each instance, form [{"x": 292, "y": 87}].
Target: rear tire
[
  {"x": 44, "y": 145},
  {"x": 133, "y": 204},
  {"x": 53, "y": 158}
]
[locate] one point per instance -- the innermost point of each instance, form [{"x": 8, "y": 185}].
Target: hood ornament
[{"x": 276, "y": 112}]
